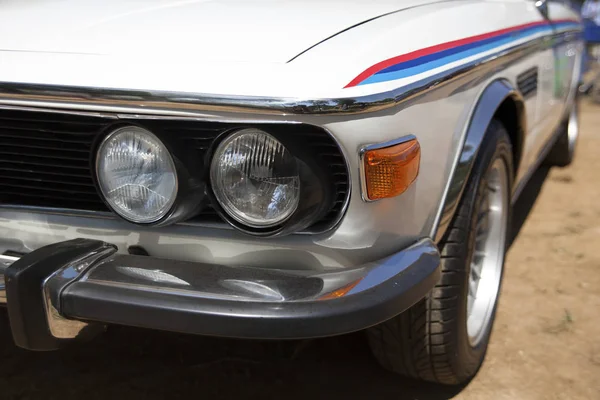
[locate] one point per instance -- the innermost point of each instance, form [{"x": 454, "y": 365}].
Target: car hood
[{"x": 265, "y": 31}]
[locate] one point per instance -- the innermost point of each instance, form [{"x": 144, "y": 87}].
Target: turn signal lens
[
  {"x": 389, "y": 171},
  {"x": 341, "y": 292}
]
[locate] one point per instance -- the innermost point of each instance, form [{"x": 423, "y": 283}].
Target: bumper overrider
[{"x": 69, "y": 290}]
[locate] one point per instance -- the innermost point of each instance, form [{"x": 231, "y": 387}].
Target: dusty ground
[{"x": 545, "y": 345}]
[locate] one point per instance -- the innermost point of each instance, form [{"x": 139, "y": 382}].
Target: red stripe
[{"x": 440, "y": 47}]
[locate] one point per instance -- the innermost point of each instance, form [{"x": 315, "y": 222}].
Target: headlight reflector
[
  {"x": 136, "y": 175},
  {"x": 255, "y": 179}
]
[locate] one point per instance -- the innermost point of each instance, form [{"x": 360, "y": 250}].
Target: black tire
[
  {"x": 429, "y": 341},
  {"x": 563, "y": 151}
]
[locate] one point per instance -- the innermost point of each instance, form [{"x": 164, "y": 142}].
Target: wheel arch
[
  {"x": 499, "y": 100},
  {"x": 511, "y": 113}
]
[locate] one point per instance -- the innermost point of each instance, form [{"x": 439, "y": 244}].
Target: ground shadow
[
  {"x": 524, "y": 204},
  {"x": 139, "y": 364}
]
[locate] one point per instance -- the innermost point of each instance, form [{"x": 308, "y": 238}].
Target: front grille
[
  {"x": 45, "y": 160},
  {"x": 46, "y": 157}
]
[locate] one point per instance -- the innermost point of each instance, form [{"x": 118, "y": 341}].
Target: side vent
[{"x": 527, "y": 82}]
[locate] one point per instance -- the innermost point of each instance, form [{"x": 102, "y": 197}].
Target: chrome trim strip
[
  {"x": 59, "y": 111},
  {"x": 190, "y": 104},
  {"x": 59, "y": 211},
  {"x": 361, "y": 157},
  {"x": 5, "y": 260}
]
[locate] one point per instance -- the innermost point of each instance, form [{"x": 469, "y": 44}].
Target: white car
[{"x": 276, "y": 169}]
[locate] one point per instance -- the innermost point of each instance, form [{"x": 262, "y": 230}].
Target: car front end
[
  {"x": 242, "y": 228},
  {"x": 271, "y": 209}
]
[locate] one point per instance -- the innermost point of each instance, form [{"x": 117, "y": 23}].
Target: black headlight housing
[
  {"x": 322, "y": 171},
  {"x": 191, "y": 187},
  {"x": 316, "y": 186}
]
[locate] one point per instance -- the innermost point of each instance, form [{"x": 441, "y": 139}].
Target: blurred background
[
  {"x": 545, "y": 344},
  {"x": 590, "y": 11}
]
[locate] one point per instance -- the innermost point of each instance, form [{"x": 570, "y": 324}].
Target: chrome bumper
[{"x": 70, "y": 289}]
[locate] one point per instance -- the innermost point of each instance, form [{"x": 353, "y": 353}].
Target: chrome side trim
[
  {"x": 361, "y": 156},
  {"x": 481, "y": 117},
  {"x": 190, "y": 104}
]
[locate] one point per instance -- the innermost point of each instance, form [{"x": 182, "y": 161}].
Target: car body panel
[
  {"x": 241, "y": 47},
  {"x": 265, "y": 31},
  {"x": 436, "y": 105},
  {"x": 322, "y": 72}
]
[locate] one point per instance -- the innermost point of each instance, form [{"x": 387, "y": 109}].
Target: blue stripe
[
  {"x": 460, "y": 49},
  {"x": 567, "y": 25},
  {"x": 400, "y": 71}
]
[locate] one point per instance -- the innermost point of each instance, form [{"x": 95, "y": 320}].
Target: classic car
[{"x": 276, "y": 169}]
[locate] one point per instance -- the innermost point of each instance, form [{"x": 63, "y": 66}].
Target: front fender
[{"x": 488, "y": 104}]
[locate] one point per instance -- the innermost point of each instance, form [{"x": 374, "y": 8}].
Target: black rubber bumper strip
[{"x": 123, "y": 305}]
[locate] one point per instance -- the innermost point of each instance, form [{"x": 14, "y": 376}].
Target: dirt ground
[{"x": 545, "y": 344}]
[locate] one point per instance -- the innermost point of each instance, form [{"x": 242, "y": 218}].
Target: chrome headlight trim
[{"x": 166, "y": 210}]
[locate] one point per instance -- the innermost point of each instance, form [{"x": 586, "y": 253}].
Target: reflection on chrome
[
  {"x": 155, "y": 275},
  {"x": 254, "y": 288}
]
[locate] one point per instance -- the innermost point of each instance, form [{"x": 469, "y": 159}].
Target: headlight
[
  {"x": 136, "y": 175},
  {"x": 255, "y": 179}
]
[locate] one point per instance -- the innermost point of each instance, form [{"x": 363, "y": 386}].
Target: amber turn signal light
[
  {"x": 341, "y": 292},
  {"x": 390, "y": 170}
]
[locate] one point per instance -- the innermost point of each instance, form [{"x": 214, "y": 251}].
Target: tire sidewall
[{"x": 496, "y": 145}]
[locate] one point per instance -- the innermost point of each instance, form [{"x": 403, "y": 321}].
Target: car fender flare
[{"x": 484, "y": 111}]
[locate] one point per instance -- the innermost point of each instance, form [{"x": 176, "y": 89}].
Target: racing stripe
[{"x": 422, "y": 60}]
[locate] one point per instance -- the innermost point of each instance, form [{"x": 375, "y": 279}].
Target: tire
[
  {"x": 563, "y": 151},
  {"x": 430, "y": 341}
]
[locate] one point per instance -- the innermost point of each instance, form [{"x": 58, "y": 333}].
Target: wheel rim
[
  {"x": 487, "y": 261},
  {"x": 573, "y": 128}
]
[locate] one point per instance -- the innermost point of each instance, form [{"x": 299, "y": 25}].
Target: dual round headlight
[
  {"x": 136, "y": 175},
  {"x": 255, "y": 180}
]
